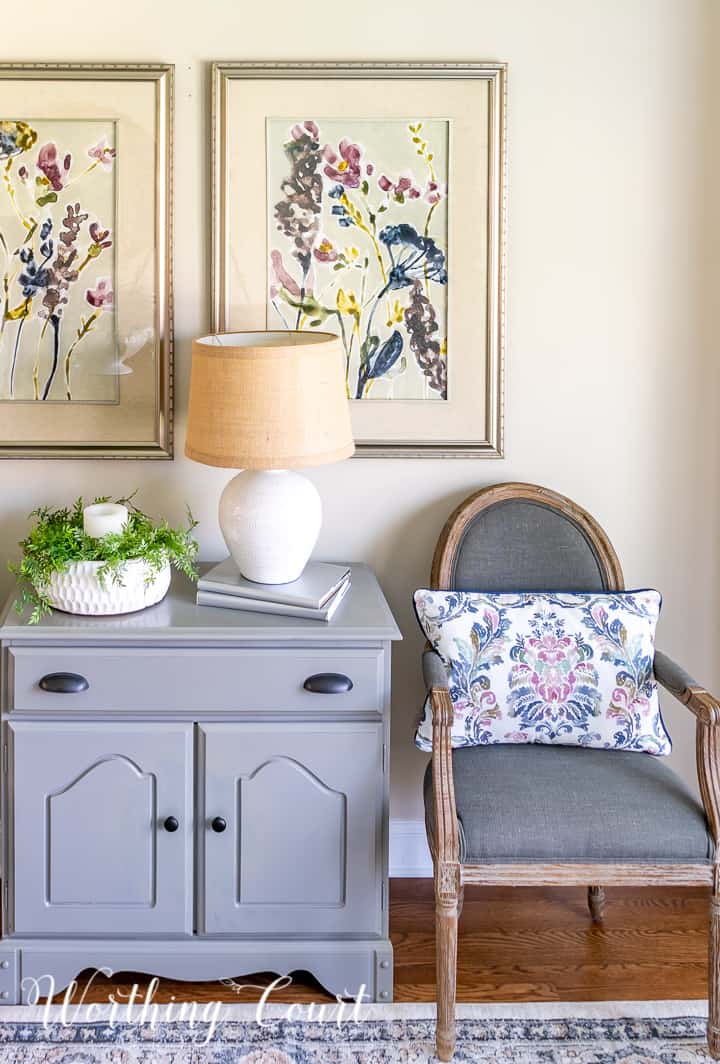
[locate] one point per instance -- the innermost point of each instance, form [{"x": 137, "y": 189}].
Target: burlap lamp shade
[{"x": 266, "y": 403}]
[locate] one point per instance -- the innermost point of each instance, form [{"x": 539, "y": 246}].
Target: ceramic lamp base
[{"x": 270, "y": 520}]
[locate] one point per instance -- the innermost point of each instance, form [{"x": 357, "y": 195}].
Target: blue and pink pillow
[{"x": 569, "y": 668}]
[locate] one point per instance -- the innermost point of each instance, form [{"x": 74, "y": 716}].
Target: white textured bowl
[{"x": 78, "y": 589}]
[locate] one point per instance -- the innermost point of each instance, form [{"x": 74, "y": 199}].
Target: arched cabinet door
[
  {"x": 299, "y": 847},
  {"x": 92, "y": 852}
]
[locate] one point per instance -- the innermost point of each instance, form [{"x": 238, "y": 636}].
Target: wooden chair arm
[
  {"x": 447, "y": 843},
  {"x": 681, "y": 685},
  {"x": 706, "y": 709}
]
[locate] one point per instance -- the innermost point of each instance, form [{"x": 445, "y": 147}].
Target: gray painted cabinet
[{"x": 195, "y": 812}]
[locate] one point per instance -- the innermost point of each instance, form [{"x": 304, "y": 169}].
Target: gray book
[
  {"x": 316, "y": 586},
  {"x": 239, "y": 602}
]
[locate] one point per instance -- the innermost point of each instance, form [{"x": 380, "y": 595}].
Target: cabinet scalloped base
[{"x": 343, "y": 968}]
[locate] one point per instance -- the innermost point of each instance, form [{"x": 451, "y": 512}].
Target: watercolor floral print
[
  {"x": 570, "y": 668},
  {"x": 357, "y": 238},
  {"x": 57, "y": 216}
]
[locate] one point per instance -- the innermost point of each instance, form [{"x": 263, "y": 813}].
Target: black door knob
[
  {"x": 171, "y": 823},
  {"x": 218, "y": 824}
]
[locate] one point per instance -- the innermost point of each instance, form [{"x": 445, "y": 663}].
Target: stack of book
[{"x": 314, "y": 596}]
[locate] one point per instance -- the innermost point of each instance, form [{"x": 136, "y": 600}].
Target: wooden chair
[{"x": 499, "y": 814}]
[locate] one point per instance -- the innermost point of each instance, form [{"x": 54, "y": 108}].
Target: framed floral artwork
[
  {"x": 85, "y": 249},
  {"x": 368, "y": 199}
]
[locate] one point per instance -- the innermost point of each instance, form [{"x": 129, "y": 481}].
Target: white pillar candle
[{"x": 103, "y": 518}]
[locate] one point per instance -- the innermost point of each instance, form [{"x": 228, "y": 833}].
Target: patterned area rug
[{"x": 610, "y": 1033}]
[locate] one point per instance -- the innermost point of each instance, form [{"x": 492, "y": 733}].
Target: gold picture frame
[
  {"x": 86, "y": 212},
  {"x": 263, "y": 115}
]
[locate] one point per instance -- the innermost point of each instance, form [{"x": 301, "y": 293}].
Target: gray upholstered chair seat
[{"x": 555, "y": 803}]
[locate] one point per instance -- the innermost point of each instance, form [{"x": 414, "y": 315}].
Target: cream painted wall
[{"x": 612, "y": 354}]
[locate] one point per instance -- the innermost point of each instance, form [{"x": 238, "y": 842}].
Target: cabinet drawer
[{"x": 131, "y": 679}]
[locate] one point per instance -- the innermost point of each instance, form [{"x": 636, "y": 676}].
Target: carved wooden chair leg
[
  {"x": 596, "y": 903},
  {"x": 448, "y": 878},
  {"x": 447, "y": 898},
  {"x": 713, "y": 1031},
  {"x": 708, "y": 763}
]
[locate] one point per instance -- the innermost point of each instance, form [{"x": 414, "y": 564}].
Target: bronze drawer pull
[
  {"x": 328, "y": 683},
  {"x": 64, "y": 683}
]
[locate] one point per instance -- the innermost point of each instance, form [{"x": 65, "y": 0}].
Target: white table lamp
[{"x": 265, "y": 403}]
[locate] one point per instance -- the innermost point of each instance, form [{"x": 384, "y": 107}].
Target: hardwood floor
[
  {"x": 521, "y": 944},
  {"x": 530, "y": 944}
]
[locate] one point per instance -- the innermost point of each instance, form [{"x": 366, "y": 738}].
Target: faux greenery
[{"x": 57, "y": 540}]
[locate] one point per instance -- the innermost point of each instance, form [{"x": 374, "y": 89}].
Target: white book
[
  {"x": 315, "y": 587},
  {"x": 284, "y": 609}
]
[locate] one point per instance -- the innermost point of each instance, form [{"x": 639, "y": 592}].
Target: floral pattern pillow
[{"x": 571, "y": 668}]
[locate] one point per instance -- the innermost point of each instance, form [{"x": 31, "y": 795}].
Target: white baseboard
[{"x": 409, "y": 853}]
